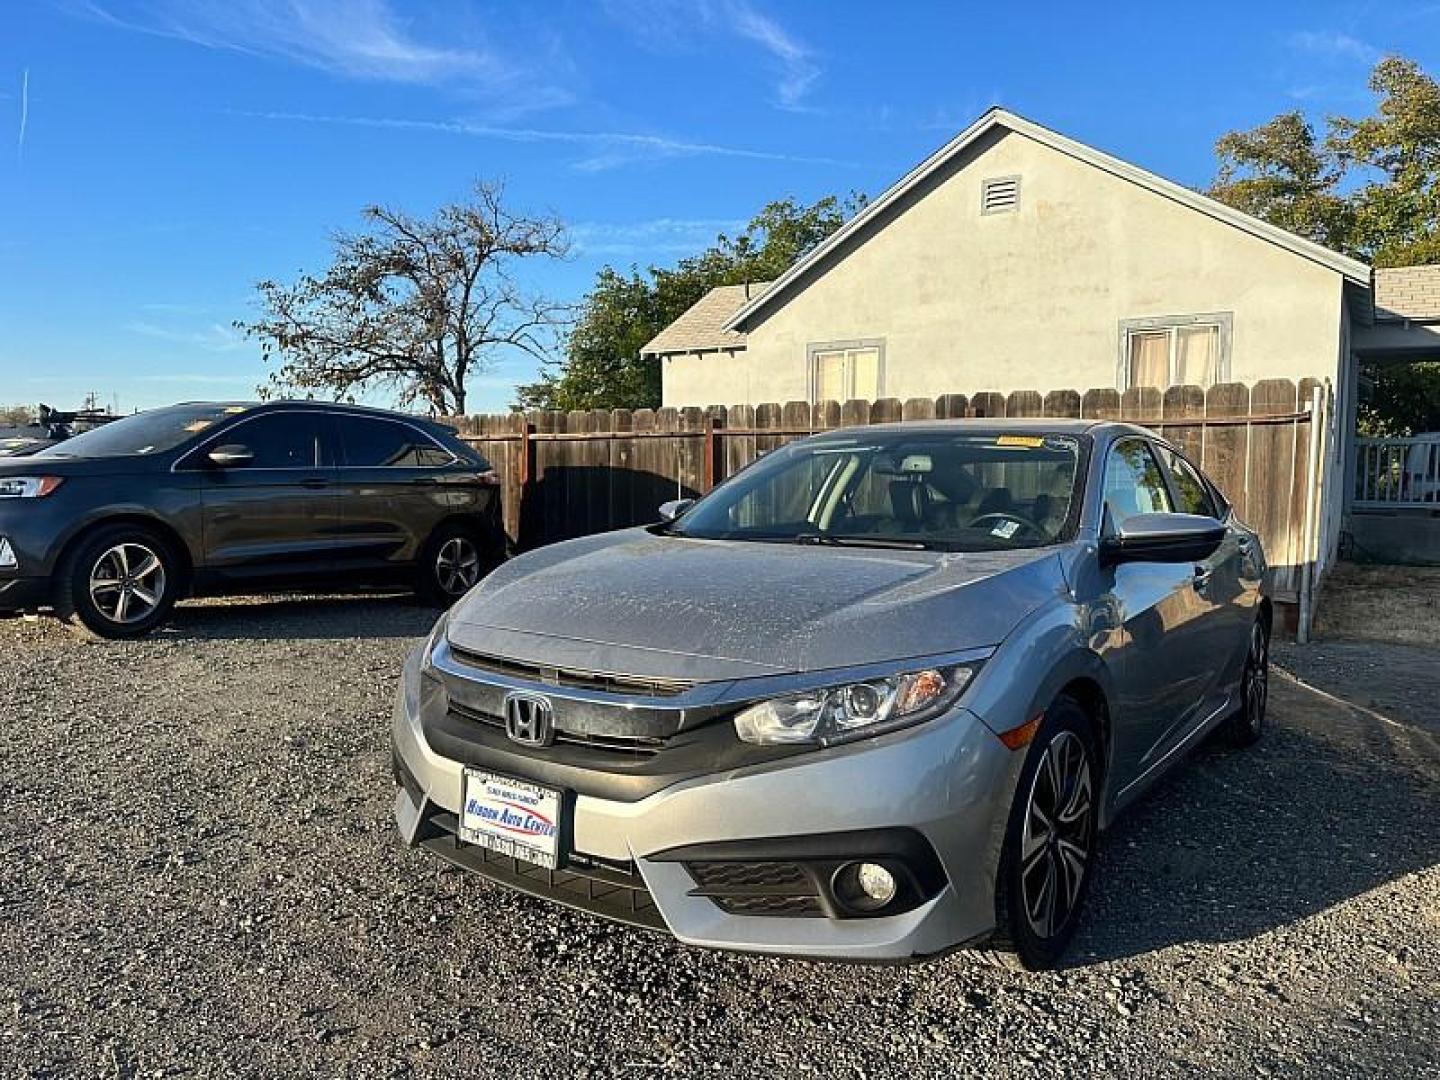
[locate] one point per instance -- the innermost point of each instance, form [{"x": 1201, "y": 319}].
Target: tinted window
[
  {"x": 280, "y": 440},
  {"x": 1190, "y": 490},
  {"x": 1133, "y": 484},
  {"x": 373, "y": 443},
  {"x": 151, "y": 432}
]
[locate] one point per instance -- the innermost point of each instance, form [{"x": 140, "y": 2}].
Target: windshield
[
  {"x": 151, "y": 432},
  {"x": 970, "y": 492}
]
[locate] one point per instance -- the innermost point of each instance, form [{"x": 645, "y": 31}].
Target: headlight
[
  {"x": 437, "y": 635},
  {"x": 838, "y": 714},
  {"x": 28, "y": 487}
]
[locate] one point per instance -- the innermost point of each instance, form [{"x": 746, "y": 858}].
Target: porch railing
[{"x": 1392, "y": 473}]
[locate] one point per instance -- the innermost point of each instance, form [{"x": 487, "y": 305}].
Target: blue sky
[{"x": 157, "y": 157}]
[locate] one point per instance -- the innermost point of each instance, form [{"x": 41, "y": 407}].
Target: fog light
[
  {"x": 876, "y": 882},
  {"x": 864, "y": 888}
]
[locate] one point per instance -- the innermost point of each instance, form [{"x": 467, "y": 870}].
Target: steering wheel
[{"x": 1009, "y": 515}]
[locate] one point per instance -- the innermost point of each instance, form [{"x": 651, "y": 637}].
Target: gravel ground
[{"x": 200, "y": 878}]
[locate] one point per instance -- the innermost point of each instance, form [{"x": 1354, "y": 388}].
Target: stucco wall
[{"x": 1030, "y": 300}]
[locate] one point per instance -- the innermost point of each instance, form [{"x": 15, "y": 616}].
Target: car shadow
[
  {"x": 1332, "y": 803},
  {"x": 370, "y": 616}
]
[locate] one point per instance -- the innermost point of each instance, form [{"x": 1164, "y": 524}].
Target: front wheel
[
  {"x": 120, "y": 582},
  {"x": 1047, "y": 861}
]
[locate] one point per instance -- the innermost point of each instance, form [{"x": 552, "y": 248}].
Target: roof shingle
[{"x": 702, "y": 327}]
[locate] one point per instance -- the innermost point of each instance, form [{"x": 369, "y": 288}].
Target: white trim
[{"x": 1350, "y": 269}]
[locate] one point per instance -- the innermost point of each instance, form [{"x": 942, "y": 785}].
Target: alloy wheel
[
  {"x": 1257, "y": 679},
  {"x": 127, "y": 583},
  {"x": 1056, "y": 841},
  {"x": 457, "y": 566}
]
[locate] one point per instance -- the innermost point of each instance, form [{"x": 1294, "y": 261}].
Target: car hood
[
  {"x": 638, "y": 603},
  {"x": 120, "y": 465}
]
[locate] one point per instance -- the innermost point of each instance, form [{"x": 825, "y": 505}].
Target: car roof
[
  {"x": 257, "y": 407},
  {"x": 999, "y": 425}
]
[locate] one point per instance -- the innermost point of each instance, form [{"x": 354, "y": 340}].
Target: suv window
[
  {"x": 1133, "y": 483},
  {"x": 370, "y": 442},
  {"x": 1190, "y": 491},
  {"x": 282, "y": 440}
]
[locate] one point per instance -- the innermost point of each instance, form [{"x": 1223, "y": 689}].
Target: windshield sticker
[
  {"x": 233, "y": 409},
  {"x": 1005, "y": 529},
  {"x": 1030, "y": 442}
]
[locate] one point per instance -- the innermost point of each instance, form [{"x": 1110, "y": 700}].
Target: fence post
[
  {"x": 1308, "y": 554},
  {"x": 707, "y": 476},
  {"x": 527, "y": 453}
]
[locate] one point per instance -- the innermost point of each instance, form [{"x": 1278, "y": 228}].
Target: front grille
[
  {"x": 633, "y": 745},
  {"x": 757, "y": 888},
  {"x": 582, "y": 680},
  {"x": 614, "y": 890}
]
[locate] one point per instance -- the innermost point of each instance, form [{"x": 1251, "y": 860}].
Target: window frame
[
  {"x": 1205, "y": 485},
  {"x": 342, "y": 457},
  {"x": 327, "y": 446},
  {"x": 815, "y": 348},
  {"x": 1224, "y": 321},
  {"x": 1107, "y": 522}
]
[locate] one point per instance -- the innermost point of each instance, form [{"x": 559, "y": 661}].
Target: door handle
[{"x": 425, "y": 481}]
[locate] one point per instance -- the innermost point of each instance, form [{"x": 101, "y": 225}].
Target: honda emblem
[{"x": 529, "y": 719}]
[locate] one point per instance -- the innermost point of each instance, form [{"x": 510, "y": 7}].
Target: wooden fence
[{"x": 571, "y": 474}]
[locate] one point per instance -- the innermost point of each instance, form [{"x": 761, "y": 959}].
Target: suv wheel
[
  {"x": 454, "y": 561},
  {"x": 119, "y": 582},
  {"x": 1049, "y": 852}
]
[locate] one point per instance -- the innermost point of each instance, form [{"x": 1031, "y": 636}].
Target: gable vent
[{"x": 1000, "y": 195}]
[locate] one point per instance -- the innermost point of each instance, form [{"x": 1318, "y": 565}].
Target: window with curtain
[
  {"x": 1183, "y": 351},
  {"x": 842, "y": 372}
]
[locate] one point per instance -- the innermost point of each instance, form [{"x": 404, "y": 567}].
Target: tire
[
  {"x": 453, "y": 560},
  {"x": 1045, "y": 871},
  {"x": 1247, "y": 724},
  {"x": 119, "y": 582}
]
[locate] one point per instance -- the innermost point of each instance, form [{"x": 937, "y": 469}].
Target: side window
[
  {"x": 1190, "y": 490},
  {"x": 1133, "y": 484},
  {"x": 372, "y": 443},
  {"x": 283, "y": 440}
]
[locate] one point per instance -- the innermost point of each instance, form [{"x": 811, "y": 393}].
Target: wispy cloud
[
  {"x": 24, "y": 112},
  {"x": 1334, "y": 45},
  {"x": 669, "y": 26},
  {"x": 798, "y": 66},
  {"x": 356, "y": 39},
  {"x": 659, "y": 236},
  {"x": 614, "y": 147},
  {"x": 214, "y": 337}
]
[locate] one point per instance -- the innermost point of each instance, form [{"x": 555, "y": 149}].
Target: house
[{"x": 1016, "y": 258}]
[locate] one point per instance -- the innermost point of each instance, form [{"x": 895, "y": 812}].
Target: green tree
[
  {"x": 1404, "y": 399},
  {"x": 1369, "y": 188},
  {"x": 1397, "y": 214},
  {"x": 602, "y": 367},
  {"x": 1281, "y": 173},
  {"x": 413, "y": 305}
]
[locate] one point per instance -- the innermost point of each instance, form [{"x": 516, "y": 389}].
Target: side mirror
[
  {"x": 671, "y": 510},
  {"x": 231, "y": 456},
  {"x": 1165, "y": 538}
]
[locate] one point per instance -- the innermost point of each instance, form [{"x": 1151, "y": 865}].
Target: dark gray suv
[{"x": 111, "y": 527}]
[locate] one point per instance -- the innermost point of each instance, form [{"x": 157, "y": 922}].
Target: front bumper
[{"x": 949, "y": 781}]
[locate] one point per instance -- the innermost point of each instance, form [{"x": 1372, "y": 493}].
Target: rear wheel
[
  {"x": 119, "y": 582},
  {"x": 1248, "y": 724},
  {"x": 454, "y": 560},
  {"x": 1046, "y": 865}
]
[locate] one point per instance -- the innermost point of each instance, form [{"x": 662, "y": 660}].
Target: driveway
[{"x": 200, "y": 878}]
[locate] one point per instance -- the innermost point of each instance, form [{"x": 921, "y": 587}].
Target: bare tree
[{"x": 413, "y": 305}]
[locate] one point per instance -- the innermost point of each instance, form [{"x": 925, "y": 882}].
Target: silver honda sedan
[{"x": 872, "y": 698}]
